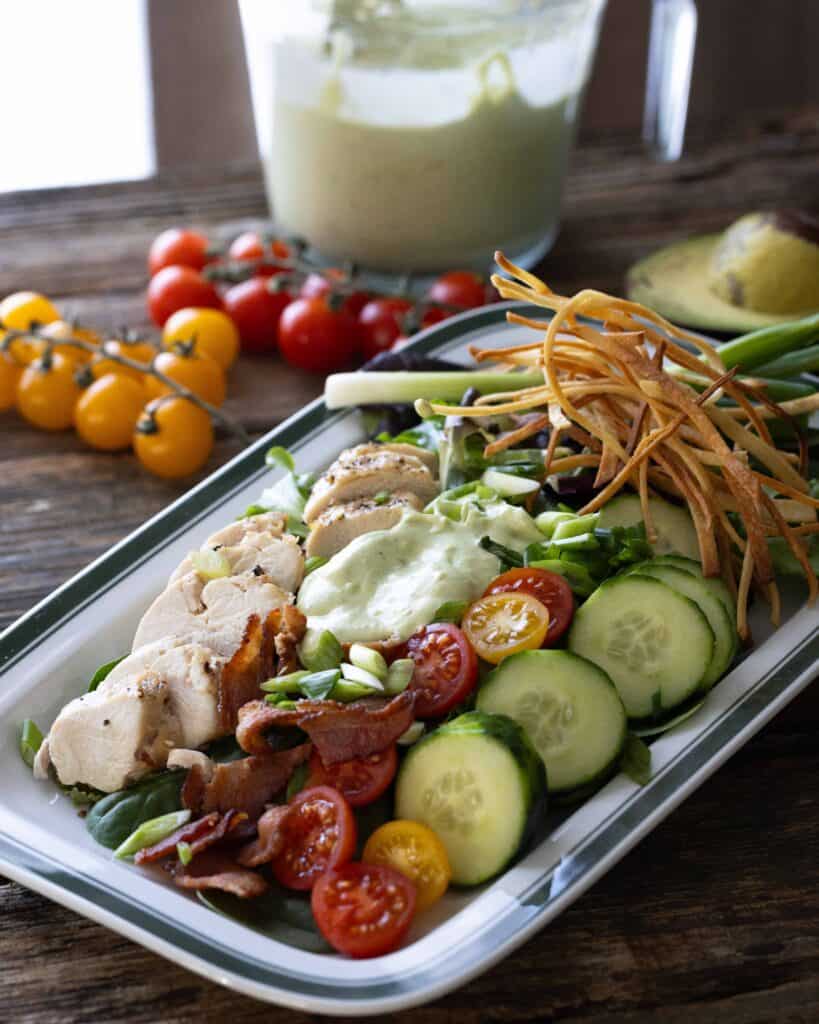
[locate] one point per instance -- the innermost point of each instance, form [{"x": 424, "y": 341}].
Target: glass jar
[{"x": 419, "y": 134}]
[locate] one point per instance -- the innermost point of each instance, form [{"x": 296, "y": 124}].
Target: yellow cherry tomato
[
  {"x": 47, "y": 393},
  {"x": 21, "y": 310},
  {"x": 108, "y": 410},
  {"x": 211, "y": 332},
  {"x": 142, "y": 353},
  {"x": 204, "y": 377},
  {"x": 173, "y": 437},
  {"x": 502, "y": 624},
  {"x": 58, "y": 331},
  {"x": 415, "y": 851},
  {"x": 10, "y": 373}
]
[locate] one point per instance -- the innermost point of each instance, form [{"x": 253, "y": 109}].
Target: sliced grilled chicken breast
[
  {"x": 213, "y": 613},
  {"x": 366, "y": 470},
  {"x": 429, "y": 459},
  {"x": 258, "y": 542},
  {"x": 191, "y": 674},
  {"x": 109, "y": 739},
  {"x": 339, "y": 524}
]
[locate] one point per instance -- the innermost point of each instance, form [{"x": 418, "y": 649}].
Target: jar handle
[{"x": 668, "y": 82}]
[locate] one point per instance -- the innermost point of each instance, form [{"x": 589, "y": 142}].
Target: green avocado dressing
[{"x": 390, "y": 582}]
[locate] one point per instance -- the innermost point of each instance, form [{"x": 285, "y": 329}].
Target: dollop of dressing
[{"x": 391, "y": 582}]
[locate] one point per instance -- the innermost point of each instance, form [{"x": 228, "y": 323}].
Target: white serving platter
[{"x": 49, "y": 654}]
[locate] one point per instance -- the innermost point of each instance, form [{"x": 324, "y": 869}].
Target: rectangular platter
[{"x": 48, "y": 655}]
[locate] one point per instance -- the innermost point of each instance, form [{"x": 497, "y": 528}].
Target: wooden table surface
[{"x": 714, "y": 917}]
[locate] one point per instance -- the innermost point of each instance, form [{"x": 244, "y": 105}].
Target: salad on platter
[{"x": 371, "y": 686}]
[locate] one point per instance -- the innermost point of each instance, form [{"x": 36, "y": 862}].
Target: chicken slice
[
  {"x": 429, "y": 459},
  {"x": 214, "y": 613},
  {"x": 366, "y": 470},
  {"x": 191, "y": 674},
  {"x": 339, "y": 524},
  {"x": 256, "y": 543},
  {"x": 109, "y": 739}
]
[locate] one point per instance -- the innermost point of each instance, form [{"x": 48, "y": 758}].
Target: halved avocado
[{"x": 718, "y": 282}]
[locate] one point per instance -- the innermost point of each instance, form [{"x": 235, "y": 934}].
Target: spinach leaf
[
  {"x": 103, "y": 672},
  {"x": 113, "y": 818},
  {"x": 277, "y": 913}
]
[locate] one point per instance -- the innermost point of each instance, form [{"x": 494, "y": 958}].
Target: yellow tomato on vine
[
  {"x": 108, "y": 410},
  {"x": 47, "y": 392},
  {"x": 173, "y": 437},
  {"x": 210, "y": 331},
  {"x": 200, "y": 374}
]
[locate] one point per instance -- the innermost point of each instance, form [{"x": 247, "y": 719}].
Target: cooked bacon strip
[
  {"x": 270, "y": 840},
  {"x": 199, "y": 835},
  {"x": 242, "y": 675},
  {"x": 290, "y": 631},
  {"x": 339, "y": 732},
  {"x": 246, "y": 785},
  {"x": 215, "y": 870}
]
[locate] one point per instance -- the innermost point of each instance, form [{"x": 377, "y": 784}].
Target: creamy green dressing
[{"x": 390, "y": 582}]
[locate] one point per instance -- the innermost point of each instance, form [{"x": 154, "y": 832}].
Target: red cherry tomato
[
  {"x": 174, "y": 288},
  {"x": 249, "y": 246},
  {"x": 178, "y": 247},
  {"x": 256, "y": 311},
  {"x": 381, "y": 324},
  {"x": 316, "y": 285},
  {"x": 550, "y": 588},
  {"x": 446, "y": 668},
  {"x": 317, "y": 338},
  {"x": 361, "y": 780},
  {"x": 363, "y": 909},
  {"x": 434, "y": 315},
  {"x": 319, "y": 834},
  {"x": 461, "y": 288}
]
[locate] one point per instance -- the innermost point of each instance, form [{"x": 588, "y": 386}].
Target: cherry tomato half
[
  {"x": 178, "y": 247},
  {"x": 380, "y": 324},
  {"x": 319, "y": 834},
  {"x": 256, "y": 311},
  {"x": 446, "y": 669},
  {"x": 361, "y": 780},
  {"x": 174, "y": 288},
  {"x": 320, "y": 284},
  {"x": 550, "y": 588},
  {"x": 315, "y": 337},
  {"x": 503, "y": 624},
  {"x": 363, "y": 909},
  {"x": 415, "y": 851},
  {"x": 462, "y": 288}
]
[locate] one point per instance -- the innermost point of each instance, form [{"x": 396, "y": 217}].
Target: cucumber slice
[
  {"x": 717, "y": 586},
  {"x": 655, "y": 644},
  {"x": 479, "y": 785},
  {"x": 674, "y": 526},
  {"x": 569, "y": 709},
  {"x": 693, "y": 587}
]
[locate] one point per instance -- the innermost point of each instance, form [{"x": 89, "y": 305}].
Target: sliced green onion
[
  {"x": 450, "y": 611},
  {"x": 285, "y": 684},
  {"x": 210, "y": 564},
  {"x": 253, "y": 510},
  {"x": 103, "y": 672},
  {"x": 803, "y": 360},
  {"x": 582, "y": 542},
  {"x": 277, "y": 456},
  {"x": 353, "y": 674},
  {"x": 320, "y": 650},
  {"x": 317, "y": 685},
  {"x": 575, "y": 526},
  {"x": 345, "y": 691},
  {"x": 30, "y": 741},
  {"x": 312, "y": 563},
  {"x": 369, "y": 660},
  {"x": 547, "y": 522},
  {"x": 184, "y": 853},
  {"x": 382, "y": 497},
  {"x": 400, "y": 676},
  {"x": 412, "y": 735},
  {"x": 345, "y": 389},
  {"x": 280, "y": 701},
  {"x": 153, "y": 831},
  {"x": 507, "y": 485}
]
